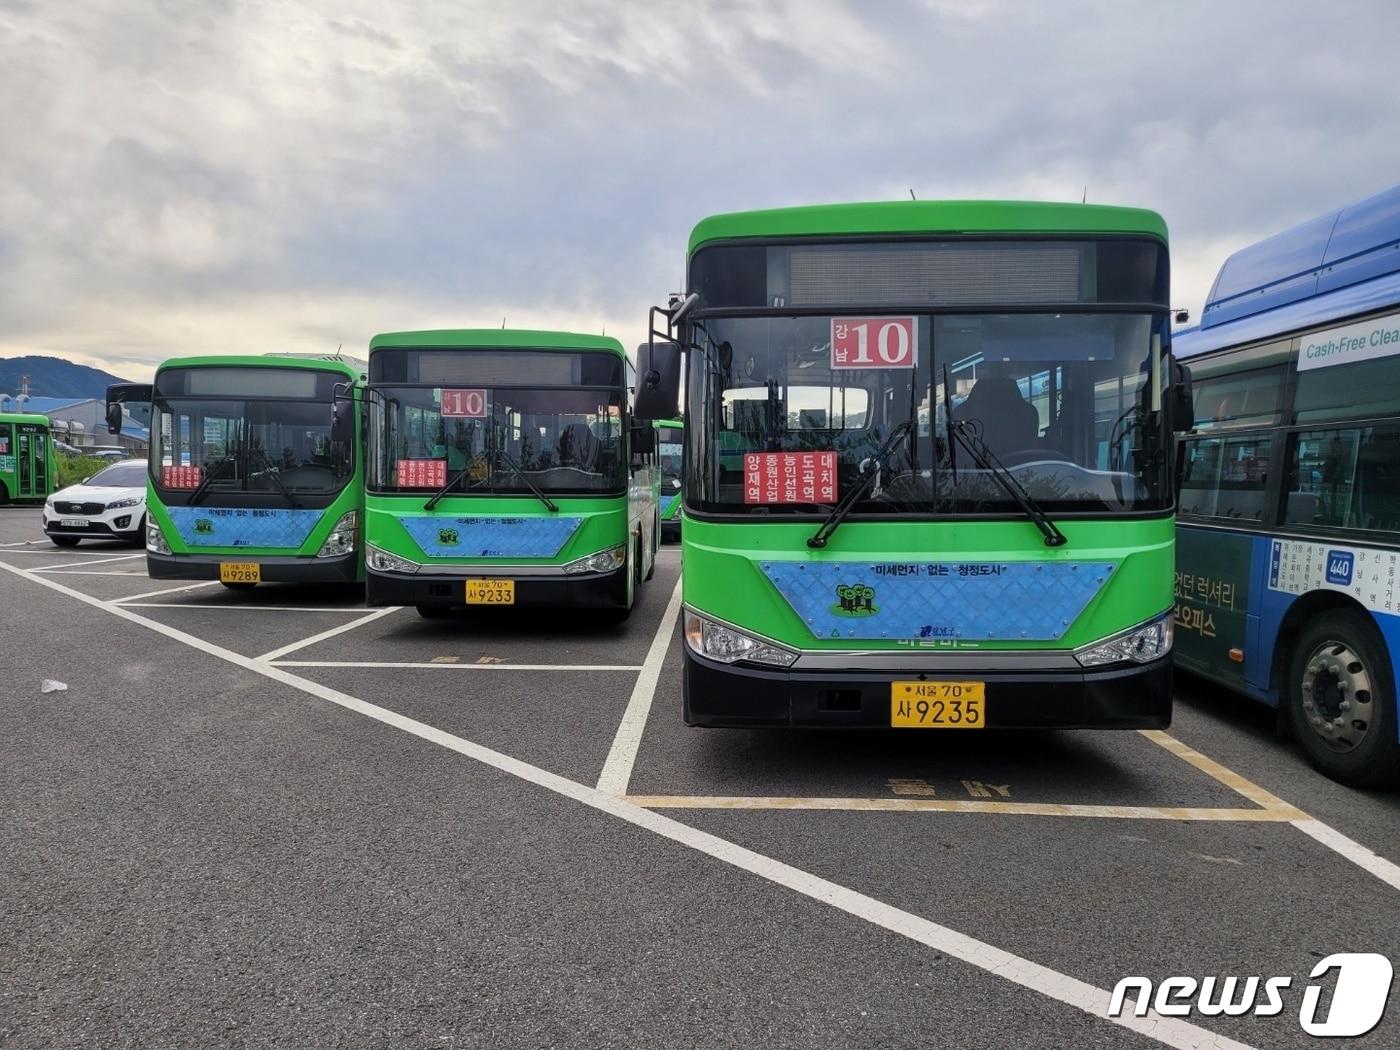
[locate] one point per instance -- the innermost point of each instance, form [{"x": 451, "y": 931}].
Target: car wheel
[
  {"x": 1341, "y": 699},
  {"x": 64, "y": 541},
  {"x": 138, "y": 538}
]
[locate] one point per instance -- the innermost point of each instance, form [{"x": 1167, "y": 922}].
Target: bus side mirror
[
  {"x": 342, "y": 415},
  {"x": 133, "y": 399},
  {"x": 1183, "y": 400},
  {"x": 658, "y": 380},
  {"x": 114, "y": 418},
  {"x": 643, "y": 438}
]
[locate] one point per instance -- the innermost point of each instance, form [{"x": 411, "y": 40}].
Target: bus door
[{"x": 32, "y": 461}]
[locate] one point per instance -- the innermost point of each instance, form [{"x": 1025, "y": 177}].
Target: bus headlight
[
  {"x": 342, "y": 538},
  {"x": 603, "y": 561},
  {"x": 1140, "y": 645},
  {"x": 383, "y": 561},
  {"x": 716, "y": 641},
  {"x": 155, "y": 539}
]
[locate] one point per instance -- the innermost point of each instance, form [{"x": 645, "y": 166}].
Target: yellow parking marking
[
  {"x": 1232, "y": 780},
  {"x": 930, "y": 805}
]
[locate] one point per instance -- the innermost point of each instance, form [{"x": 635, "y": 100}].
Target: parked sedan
[{"x": 109, "y": 505}]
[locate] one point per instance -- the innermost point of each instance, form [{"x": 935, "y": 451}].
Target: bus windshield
[
  {"x": 668, "y": 451},
  {"x": 494, "y": 440},
  {"x": 1064, "y": 400}
]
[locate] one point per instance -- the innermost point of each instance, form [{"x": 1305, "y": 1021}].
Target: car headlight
[
  {"x": 716, "y": 641},
  {"x": 603, "y": 561},
  {"x": 342, "y": 538},
  {"x": 383, "y": 561},
  {"x": 119, "y": 504},
  {"x": 155, "y": 539},
  {"x": 1140, "y": 645}
]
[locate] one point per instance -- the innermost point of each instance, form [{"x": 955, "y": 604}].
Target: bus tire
[
  {"x": 64, "y": 541},
  {"x": 1340, "y": 659}
]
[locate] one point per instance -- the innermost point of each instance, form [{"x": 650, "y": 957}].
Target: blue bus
[{"x": 1288, "y": 534}]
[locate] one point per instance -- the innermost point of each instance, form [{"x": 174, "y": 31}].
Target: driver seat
[{"x": 1009, "y": 423}]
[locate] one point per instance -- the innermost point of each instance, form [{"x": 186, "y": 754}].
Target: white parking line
[
  {"x": 1352, "y": 850},
  {"x": 83, "y": 572},
  {"x": 1044, "y": 981},
  {"x": 167, "y": 590},
  {"x": 105, "y": 559},
  {"x": 457, "y": 667},
  {"x": 366, "y": 618},
  {"x": 348, "y": 610},
  {"x": 617, "y": 769}
]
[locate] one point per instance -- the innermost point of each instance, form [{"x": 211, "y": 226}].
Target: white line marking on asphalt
[
  {"x": 104, "y": 560},
  {"x": 167, "y": 590},
  {"x": 617, "y": 770},
  {"x": 348, "y": 610},
  {"x": 1030, "y": 975},
  {"x": 1352, "y": 850},
  {"x": 294, "y": 646},
  {"x": 19, "y": 543},
  {"x": 82, "y": 572},
  {"x": 56, "y": 552},
  {"x": 457, "y": 667}
]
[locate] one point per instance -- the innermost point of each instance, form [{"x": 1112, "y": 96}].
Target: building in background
[{"x": 81, "y": 422}]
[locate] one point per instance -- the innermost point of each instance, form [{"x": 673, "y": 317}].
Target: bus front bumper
[
  {"x": 1135, "y": 697},
  {"x": 604, "y": 590},
  {"x": 280, "y": 568}
]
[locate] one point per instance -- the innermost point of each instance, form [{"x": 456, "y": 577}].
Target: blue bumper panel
[
  {"x": 442, "y": 537},
  {"x": 243, "y": 526},
  {"x": 938, "y": 601}
]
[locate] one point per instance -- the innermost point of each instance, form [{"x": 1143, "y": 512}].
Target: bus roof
[
  {"x": 1336, "y": 265},
  {"x": 522, "y": 338},
  {"x": 350, "y": 367},
  {"x": 930, "y": 217},
  {"x": 23, "y": 417}
]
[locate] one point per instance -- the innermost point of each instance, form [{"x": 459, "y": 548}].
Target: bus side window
[
  {"x": 1345, "y": 478},
  {"x": 1225, "y": 477}
]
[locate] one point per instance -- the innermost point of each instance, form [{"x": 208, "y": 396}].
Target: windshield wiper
[
  {"x": 276, "y": 477},
  {"x": 868, "y": 474},
  {"x": 451, "y": 484},
  {"x": 553, "y": 507},
  {"x": 203, "y": 486},
  {"x": 984, "y": 458}
]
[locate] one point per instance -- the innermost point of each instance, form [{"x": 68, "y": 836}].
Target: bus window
[
  {"x": 1345, "y": 479},
  {"x": 1225, "y": 477},
  {"x": 1245, "y": 399},
  {"x": 1352, "y": 391}
]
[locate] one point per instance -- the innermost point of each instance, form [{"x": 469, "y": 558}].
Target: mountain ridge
[{"x": 54, "y": 377}]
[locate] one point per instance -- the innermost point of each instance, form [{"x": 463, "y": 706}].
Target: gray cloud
[{"x": 229, "y": 176}]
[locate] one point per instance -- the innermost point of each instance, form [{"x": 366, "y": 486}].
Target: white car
[{"x": 110, "y": 505}]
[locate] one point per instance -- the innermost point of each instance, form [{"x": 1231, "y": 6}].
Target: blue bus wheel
[{"x": 1341, "y": 698}]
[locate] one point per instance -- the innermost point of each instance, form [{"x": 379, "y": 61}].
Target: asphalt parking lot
[{"x": 276, "y": 817}]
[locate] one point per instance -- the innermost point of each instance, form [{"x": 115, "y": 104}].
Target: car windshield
[
  {"x": 794, "y": 407},
  {"x": 121, "y": 476},
  {"x": 496, "y": 440},
  {"x": 252, "y": 445}
]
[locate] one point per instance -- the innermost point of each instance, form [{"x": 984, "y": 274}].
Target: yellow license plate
[
  {"x": 938, "y": 705},
  {"x": 240, "y": 572},
  {"x": 490, "y": 592}
]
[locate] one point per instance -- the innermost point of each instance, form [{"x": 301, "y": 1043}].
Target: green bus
[
  {"x": 928, "y": 451},
  {"x": 670, "y": 435},
  {"x": 505, "y": 469},
  {"x": 256, "y": 468},
  {"x": 28, "y": 469}
]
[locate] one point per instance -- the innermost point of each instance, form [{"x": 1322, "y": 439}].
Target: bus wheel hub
[{"x": 1337, "y": 695}]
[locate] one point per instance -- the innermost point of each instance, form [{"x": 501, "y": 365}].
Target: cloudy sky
[{"x": 238, "y": 175}]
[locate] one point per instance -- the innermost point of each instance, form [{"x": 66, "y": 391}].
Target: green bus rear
[
  {"x": 256, "y": 470},
  {"x": 670, "y": 459},
  {"x": 504, "y": 469},
  {"x": 28, "y": 468},
  {"x": 928, "y": 454}
]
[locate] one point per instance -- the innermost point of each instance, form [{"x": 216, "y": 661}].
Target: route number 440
[{"x": 873, "y": 342}]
